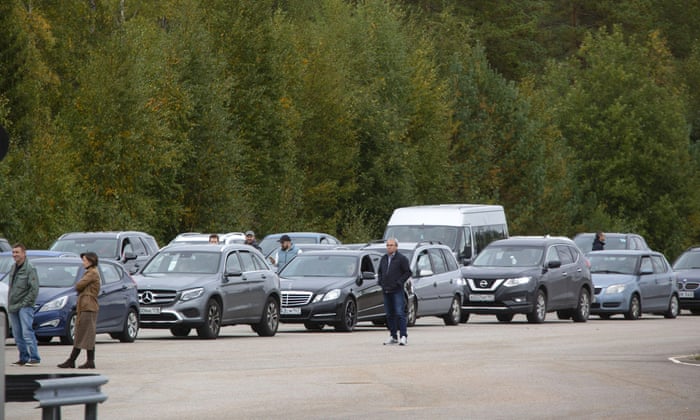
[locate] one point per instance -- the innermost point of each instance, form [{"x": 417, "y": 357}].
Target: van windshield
[{"x": 448, "y": 235}]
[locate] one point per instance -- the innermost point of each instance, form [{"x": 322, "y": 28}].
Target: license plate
[
  {"x": 290, "y": 311},
  {"x": 481, "y": 298},
  {"x": 149, "y": 310},
  {"x": 686, "y": 294}
]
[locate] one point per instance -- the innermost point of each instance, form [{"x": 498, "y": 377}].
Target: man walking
[
  {"x": 393, "y": 273},
  {"x": 24, "y": 288}
]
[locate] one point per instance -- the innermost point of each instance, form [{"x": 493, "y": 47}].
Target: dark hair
[
  {"x": 214, "y": 235},
  {"x": 19, "y": 245},
  {"x": 92, "y": 257}
]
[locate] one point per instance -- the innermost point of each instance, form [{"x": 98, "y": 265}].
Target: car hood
[
  {"x": 692, "y": 274},
  {"x": 314, "y": 284},
  {"x": 605, "y": 279},
  {"x": 499, "y": 272},
  {"x": 173, "y": 281},
  {"x": 50, "y": 293}
]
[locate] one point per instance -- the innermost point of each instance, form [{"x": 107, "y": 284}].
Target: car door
[
  {"x": 423, "y": 287},
  {"x": 664, "y": 281},
  {"x": 256, "y": 278},
  {"x": 557, "y": 279},
  {"x": 112, "y": 298},
  {"x": 370, "y": 300},
  {"x": 442, "y": 280},
  {"x": 234, "y": 288},
  {"x": 647, "y": 283}
]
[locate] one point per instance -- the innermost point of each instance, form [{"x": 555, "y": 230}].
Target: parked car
[
  {"x": 332, "y": 287},
  {"x": 55, "y": 308},
  {"x": 7, "y": 262},
  {"x": 612, "y": 241},
  {"x": 271, "y": 241},
  {"x": 5, "y": 245},
  {"x": 632, "y": 282},
  {"x": 687, "y": 269},
  {"x": 529, "y": 275},
  {"x": 3, "y": 307},
  {"x": 130, "y": 248},
  {"x": 436, "y": 285},
  {"x": 196, "y": 238},
  {"x": 207, "y": 287}
]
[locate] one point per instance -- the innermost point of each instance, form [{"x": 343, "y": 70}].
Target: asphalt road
[{"x": 482, "y": 370}]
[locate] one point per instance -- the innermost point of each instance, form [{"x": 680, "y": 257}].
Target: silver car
[{"x": 206, "y": 287}]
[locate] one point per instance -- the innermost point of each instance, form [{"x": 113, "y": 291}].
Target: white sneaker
[
  {"x": 391, "y": 340},
  {"x": 403, "y": 341}
]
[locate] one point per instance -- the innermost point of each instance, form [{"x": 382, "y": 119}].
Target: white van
[{"x": 465, "y": 228}]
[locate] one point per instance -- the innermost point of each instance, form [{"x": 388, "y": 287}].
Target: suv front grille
[
  {"x": 296, "y": 298},
  {"x": 157, "y": 297},
  {"x": 483, "y": 285},
  {"x": 688, "y": 286}
]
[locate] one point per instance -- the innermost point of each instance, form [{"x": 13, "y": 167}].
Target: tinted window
[
  {"x": 103, "y": 247},
  {"x": 553, "y": 254},
  {"x": 134, "y": 245},
  {"x": 110, "y": 273},
  {"x": 564, "y": 255},
  {"x": 259, "y": 263},
  {"x": 689, "y": 260},
  {"x": 450, "y": 259},
  {"x": 247, "y": 261},
  {"x": 660, "y": 264},
  {"x": 321, "y": 266},
  {"x": 439, "y": 265},
  {"x": 233, "y": 263},
  {"x": 183, "y": 262},
  {"x": 511, "y": 256},
  {"x": 57, "y": 275}
]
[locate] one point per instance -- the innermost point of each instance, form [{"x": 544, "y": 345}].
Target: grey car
[
  {"x": 612, "y": 241},
  {"x": 436, "y": 286},
  {"x": 206, "y": 287}
]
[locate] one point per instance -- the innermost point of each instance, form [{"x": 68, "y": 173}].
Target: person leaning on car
[
  {"x": 24, "y": 288},
  {"x": 599, "y": 241},
  {"x": 394, "y": 271}
]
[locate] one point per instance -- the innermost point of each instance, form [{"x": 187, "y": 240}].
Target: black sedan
[{"x": 335, "y": 287}]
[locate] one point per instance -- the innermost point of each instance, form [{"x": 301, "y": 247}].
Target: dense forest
[{"x": 324, "y": 115}]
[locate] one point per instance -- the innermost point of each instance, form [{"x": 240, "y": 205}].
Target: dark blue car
[{"x": 56, "y": 304}]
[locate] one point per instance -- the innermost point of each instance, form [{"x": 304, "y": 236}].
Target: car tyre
[
  {"x": 583, "y": 308},
  {"x": 68, "y": 338},
  {"x": 270, "y": 321},
  {"x": 212, "y": 321},
  {"x": 539, "y": 312},
  {"x": 314, "y": 326},
  {"x": 131, "y": 327},
  {"x": 635, "y": 309},
  {"x": 180, "y": 331},
  {"x": 411, "y": 312},
  {"x": 348, "y": 318},
  {"x": 673, "y": 308},
  {"x": 504, "y": 317},
  {"x": 455, "y": 313}
]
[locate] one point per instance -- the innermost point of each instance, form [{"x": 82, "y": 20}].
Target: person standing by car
[
  {"x": 250, "y": 240},
  {"x": 286, "y": 253},
  {"x": 24, "y": 288},
  {"x": 394, "y": 271},
  {"x": 599, "y": 241},
  {"x": 87, "y": 307}
]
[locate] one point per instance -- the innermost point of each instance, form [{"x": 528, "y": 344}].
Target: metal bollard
[{"x": 54, "y": 393}]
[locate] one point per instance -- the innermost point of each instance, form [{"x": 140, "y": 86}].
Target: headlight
[
  {"x": 191, "y": 294},
  {"x": 331, "y": 295},
  {"x": 54, "y": 305},
  {"x": 517, "y": 281},
  {"x": 615, "y": 288}
]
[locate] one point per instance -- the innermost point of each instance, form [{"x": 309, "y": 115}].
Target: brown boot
[
  {"x": 90, "y": 363},
  {"x": 70, "y": 362}
]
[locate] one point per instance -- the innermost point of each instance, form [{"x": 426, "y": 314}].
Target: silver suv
[{"x": 207, "y": 287}]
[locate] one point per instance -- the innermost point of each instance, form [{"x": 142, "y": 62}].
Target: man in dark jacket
[
  {"x": 24, "y": 288},
  {"x": 599, "y": 241},
  {"x": 393, "y": 273}
]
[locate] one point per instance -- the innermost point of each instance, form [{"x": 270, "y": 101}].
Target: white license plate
[
  {"x": 686, "y": 294},
  {"x": 149, "y": 310},
  {"x": 481, "y": 298},
  {"x": 290, "y": 311}
]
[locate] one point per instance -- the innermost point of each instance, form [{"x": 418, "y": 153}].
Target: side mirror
[
  {"x": 233, "y": 273},
  {"x": 128, "y": 256},
  {"x": 554, "y": 264},
  {"x": 368, "y": 275},
  {"x": 647, "y": 270},
  {"x": 424, "y": 272}
]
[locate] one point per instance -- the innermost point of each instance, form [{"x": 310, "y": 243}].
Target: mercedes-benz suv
[{"x": 529, "y": 275}]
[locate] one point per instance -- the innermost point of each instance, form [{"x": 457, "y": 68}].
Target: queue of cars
[{"x": 192, "y": 285}]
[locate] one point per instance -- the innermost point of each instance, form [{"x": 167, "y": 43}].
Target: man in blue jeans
[
  {"x": 393, "y": 273},
  {"x": 24, "y": 287}
]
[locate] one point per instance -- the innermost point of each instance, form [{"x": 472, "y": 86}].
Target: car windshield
[
  {"x": 447, "y": 235},
  {"x": 321, "y": 266},
  {"x": 184, "y": 262},
  {"x": 57, "y": 275},
  {"x": 612, "y": 264},
  {"x": 103, "y": 247},
  {"x": 687, "y": 261},
  {"x": 509, "y": 256}
]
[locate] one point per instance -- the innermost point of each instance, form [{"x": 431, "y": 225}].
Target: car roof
[
  {"x": 205, "y": 247},
  {"x": 534, "y": 240},
  {"x": 106, "y": 234},
  {"x": 339, "y": 251},
  {"x": 298, "y": 234},
  {"x": 407, "y": 245},
  {"x": 634, "y": 252}
]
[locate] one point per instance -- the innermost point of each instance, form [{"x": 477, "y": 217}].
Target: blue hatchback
[
  {"x": 630, "y": 282},
  {"x": 55, "y": 308}
]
